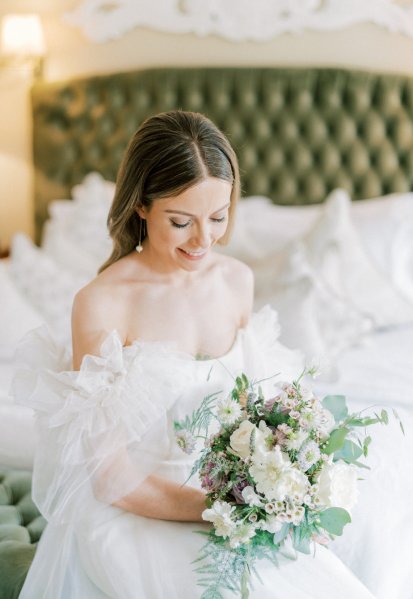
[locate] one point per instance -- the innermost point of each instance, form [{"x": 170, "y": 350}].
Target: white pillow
[
  {"x": 312, "y": 317},
  {"x": 61, "y": 246},
  {"x": 385, "y": 226},
  {"x": 335, "y": 250},
  {"x": 49, "y": 287},
  {"x": 262, "y": 227},
  {"x": 287, "y": 282},
  {"x": 327, "y": 292},
  {"x": 17, "y": 315},
  {"x": 76, "y": 234}
]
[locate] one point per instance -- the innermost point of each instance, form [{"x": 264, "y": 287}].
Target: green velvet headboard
[{"x": 298, "y": 133}]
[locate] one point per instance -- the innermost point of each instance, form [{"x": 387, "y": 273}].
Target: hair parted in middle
[{"x": 169, "y": 153}]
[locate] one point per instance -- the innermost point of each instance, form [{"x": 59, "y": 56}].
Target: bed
[{"x": 326, "y": 223}]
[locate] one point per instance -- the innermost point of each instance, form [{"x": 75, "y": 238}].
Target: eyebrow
[{"x": 193, "y": 215}]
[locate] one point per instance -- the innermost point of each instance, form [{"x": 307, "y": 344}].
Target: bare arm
[
  {"x": 94, "y": 316},
  {"x": 164, "y": 500}
]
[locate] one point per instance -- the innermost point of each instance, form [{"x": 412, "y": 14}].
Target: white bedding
[
  {"x": 378, "y": 371},
  {"x": 378, "y": 545}
]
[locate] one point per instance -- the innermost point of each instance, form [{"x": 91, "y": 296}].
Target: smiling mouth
[{"x": 193, "y": 255}]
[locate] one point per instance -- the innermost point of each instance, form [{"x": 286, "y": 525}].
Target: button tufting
[{"x": 268, "y": 113}]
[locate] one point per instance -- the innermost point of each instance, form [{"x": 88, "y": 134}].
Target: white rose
[
  {"x": 220, "y": 516},
  {"x": 337, "y": 485},
  {"x": 240, "y": 439}
]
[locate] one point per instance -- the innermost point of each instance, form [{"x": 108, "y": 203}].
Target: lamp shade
[{"x": 22, "y": 35}]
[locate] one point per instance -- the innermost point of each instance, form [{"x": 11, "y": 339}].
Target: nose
[{"x": 202, "y": 237}]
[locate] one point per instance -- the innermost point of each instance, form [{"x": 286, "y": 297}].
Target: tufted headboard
[{"x": 298, "y": 133}]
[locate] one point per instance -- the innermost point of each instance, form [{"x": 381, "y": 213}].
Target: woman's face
[{"x": 182, "y": 229}]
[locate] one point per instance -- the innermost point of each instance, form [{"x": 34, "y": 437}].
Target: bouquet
[{"x": 280, "y": 475}]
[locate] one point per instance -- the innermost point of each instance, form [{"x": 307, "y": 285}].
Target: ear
[{"x": 141, "y": 210}]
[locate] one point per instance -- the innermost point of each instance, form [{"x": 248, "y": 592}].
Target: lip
[{"x": 193, "y": 257}]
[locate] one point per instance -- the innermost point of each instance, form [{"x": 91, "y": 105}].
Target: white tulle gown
[{"x": 101, "y": 431}]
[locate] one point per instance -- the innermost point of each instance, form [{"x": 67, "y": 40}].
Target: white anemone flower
[
  {"x": 241, "y": 535},
  {"x": 308, "y": 455},
  {"x": 220, "y": 516},
  {"x": 185, "y": 440},
  {"x": 228, "y": 411},
  {"x": 295, "y": 439}
]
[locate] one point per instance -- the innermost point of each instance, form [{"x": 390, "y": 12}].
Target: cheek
[
  {"x": 221, "y": 230},
  {"x": 169, "y": 236}
]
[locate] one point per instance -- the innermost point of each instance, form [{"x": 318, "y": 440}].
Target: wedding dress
[{"x": 102, "y": 430}]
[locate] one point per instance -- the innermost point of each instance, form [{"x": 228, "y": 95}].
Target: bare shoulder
[
  {"x": 239, "y": 272},
  {"x": 98, "y": 309},
  {"x": 240, "y": 278}
]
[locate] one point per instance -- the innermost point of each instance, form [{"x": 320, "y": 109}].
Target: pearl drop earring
[{"x": 139, "y": 247}]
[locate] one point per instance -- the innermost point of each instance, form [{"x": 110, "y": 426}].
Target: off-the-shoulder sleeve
[
  {"x": 265, "y": 356},
  {"x": 102, "y": 429}
]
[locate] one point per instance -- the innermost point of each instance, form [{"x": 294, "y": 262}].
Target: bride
[{"x": 166, "y": 322}]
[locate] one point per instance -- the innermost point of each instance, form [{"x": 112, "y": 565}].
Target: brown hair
[{"x": 169, "y": 153}]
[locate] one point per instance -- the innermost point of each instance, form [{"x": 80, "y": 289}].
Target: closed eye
[
  {"x": 183, "y": 225},
  {"x": 179, "y": 225}
]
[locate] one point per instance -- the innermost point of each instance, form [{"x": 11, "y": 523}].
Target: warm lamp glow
[{"x": 22, "y": 35}]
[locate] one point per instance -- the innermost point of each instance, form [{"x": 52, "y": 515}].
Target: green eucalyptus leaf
[
  {"x": 362, "y": 421},
  {"x": 334, "y": 519},
  {"x": 396, "y": 415},
  {"x": 384, "y": 417},
  {"x": 349, "y": 452},
  {"x": 281, "y": 534},
  {"x": 336, "y": 404},
  {"x": 302, "y": 544},
  {"x": 336, "y": 440},
  {"x": 366, "y": 444}
]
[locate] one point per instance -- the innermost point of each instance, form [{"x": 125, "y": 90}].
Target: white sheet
[{"x": 380, "y": 373}]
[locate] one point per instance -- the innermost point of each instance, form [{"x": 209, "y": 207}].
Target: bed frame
[{"x": 298, "y": 133}]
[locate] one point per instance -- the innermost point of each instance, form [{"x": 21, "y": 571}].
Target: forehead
[{"x": 209, "y": 195}]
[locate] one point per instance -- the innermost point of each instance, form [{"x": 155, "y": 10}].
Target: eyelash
[{"x": 178, "y": 226}]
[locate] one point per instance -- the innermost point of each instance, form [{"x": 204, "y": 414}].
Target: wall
[{"x": 71, "y": 55}]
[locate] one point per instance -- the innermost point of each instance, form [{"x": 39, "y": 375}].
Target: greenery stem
[{"x": 245, "y": 578}]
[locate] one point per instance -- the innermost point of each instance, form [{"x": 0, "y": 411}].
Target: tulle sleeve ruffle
[
  {"x": 101, "y": 430},
  {"x": 265, "y": 354}
]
